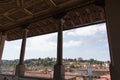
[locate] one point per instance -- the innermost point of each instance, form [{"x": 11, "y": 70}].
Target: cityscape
[{"x": 76, "y": 69}]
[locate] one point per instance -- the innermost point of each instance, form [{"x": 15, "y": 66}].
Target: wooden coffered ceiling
[{"x": 37, "y": 14}]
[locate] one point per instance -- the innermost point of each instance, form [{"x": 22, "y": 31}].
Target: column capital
[
  {"x": 3, "y": 33},
  {"x": 100, "y": 3},
  {"x": 59, "y": 15},
  {"x": 26, "y": 30}
]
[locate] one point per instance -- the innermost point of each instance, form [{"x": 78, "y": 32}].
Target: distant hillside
[{"x": 44, "y": 62}]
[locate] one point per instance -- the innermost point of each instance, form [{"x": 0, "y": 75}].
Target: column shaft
[
  {"x": 59, "y": 70},
  {"x": 113, "y": 28},
  {"x": 20, "y": 68},
  {"x": 59, "y": 44},
  {"x": 23, "y": 46}
]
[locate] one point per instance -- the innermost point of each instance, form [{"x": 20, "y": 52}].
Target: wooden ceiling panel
[
  {"x": 18, "y": 15},
  {"x": 38, "y": 7},
  {"x": 4, "y": 21},
  {"x": 4, "y": 1},
  {"x": 57, "y": 2},
  {"x": 28, "y": 3},
  {"x": 6, "y": 8}
]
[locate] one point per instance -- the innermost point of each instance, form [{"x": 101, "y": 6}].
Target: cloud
[
  {"x": 48, "y": 43},
  {"x": 13, "y": 44},
  {"x": 101, "y": 27},
  {"x": 12, "y": 49},
  {"x": 88, "y": 31},
  {"x": 72, "y": 44},
  {"x": 98, "y": 39},
  {"x": 42, "y": 43}
]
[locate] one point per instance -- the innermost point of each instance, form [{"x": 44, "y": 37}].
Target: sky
[{"x": 86, "y": 42}]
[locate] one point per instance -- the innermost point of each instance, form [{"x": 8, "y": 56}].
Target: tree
[{"x": 72, "y": 66}]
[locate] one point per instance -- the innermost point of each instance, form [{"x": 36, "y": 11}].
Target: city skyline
[{"x": 86, "y": 42}]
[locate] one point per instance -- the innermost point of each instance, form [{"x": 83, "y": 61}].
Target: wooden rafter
[
  {"x": 28, "y": 12},
  {"x": 19, "y": 3},
  {"x": 51, "y": 3}
]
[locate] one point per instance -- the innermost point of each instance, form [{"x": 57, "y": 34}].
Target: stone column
[
  {"x": 20, "y": 68},
  {"x": 2, "y": 42},
  {"x": 112, "y": 10},
  {"x": 59, "y": 70}
]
